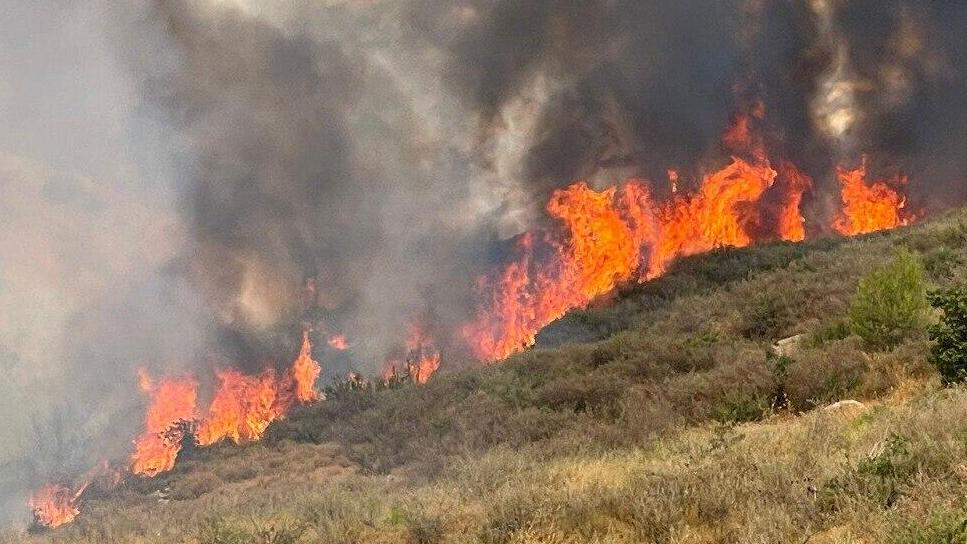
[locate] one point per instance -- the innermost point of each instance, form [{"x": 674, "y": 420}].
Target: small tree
[
  {"x": 949, "y": 353},
  {"x": 890, "y": 302}
]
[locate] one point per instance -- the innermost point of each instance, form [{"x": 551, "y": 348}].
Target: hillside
[{"x": 650, "y": 417}]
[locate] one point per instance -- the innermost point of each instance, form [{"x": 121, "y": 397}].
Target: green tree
[
  {"x": 949, "y": 353},
  {"x": 890, "y": 302}
]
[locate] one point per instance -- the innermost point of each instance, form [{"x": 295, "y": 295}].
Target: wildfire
[
  {"x": 792, "y": 225},
  {"x": 421, "y": 358},
  {"x": 600, "y": 239},
  {"x": 714, "y": 216},
  {"x": 172, "y": 402},
  {"x": 868, "y": 207},
  {"x": 54, "y": 505},
  {"x": 241, "y": 409},
  {"x": 608, "y": 236},
  {"x": 605, "y": 238}
]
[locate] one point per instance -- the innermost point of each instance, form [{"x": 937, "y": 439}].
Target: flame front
[
  {"x": 601, "y": 239},
  {"x": 792, "y": 225},
  {"x": 173, "y": 401},
  {"x": 612, "y": 236},
  {"x": 54, "y": 505},
  {"x": 607, "y": 237},
  {"x": 714, "y": 216},
  {"x": 868, "y": 207},
  {"x": 241, "y": 409}
]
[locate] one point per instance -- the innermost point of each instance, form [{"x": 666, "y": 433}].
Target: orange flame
[
  {"x": 792, "y": 225},
  {"x": 172, "y": 402},
  {"x": 421, "y": 357},
  {"x": 241, "y": 409},
  {"x": 868, "y": 207},
  {"x": 54, "y": 505},
  {"x": 305, "y": 372},
  {"x": 608, "y": 236},
  {"x": 715, "y": 216}
]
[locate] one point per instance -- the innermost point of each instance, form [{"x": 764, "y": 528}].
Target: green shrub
[
  {"x": 838, "y": 329},
  {"x": 779, "y": 368},
  {"x": 942, "y": 263},
  {"x": 881, "y": 478},
  {"x": 194, "y": 485},
  {"x": 823, "y": 375},
  {"x": 766, "y": 316},
  {"x": 949, "y": 353},
  {"x": 740, "y": 408},
  {"x": 218, "y": 530},
  {"x": 890, "y": 303},
  {"x": 945, "y": 527}
]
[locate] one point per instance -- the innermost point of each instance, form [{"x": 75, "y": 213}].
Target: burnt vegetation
[{"x": 671, "y": 413}]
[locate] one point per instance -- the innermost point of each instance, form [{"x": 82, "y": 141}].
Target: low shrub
[
  {"x": 218, "y": 530},
  {"x": 949, "y": 353},
  {"x": 822, "y": 375},
  {"x": 194, "y": 485},
  {"x": 890, "y": 303},
  {"x": 937, "y": 527},
  {"x": 881, "y": 478}
]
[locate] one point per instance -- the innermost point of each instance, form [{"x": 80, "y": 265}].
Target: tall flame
[
  {"x": 241, "y": 409},
  {"x": 54, "y": 505},
  {"x": 868, "y": 207},
  {"x": 792, "y": 225},
  {"x": 716, "y": 215},
  {"x": 305, "y": 372},
  {"x": 606, "y": 237},
  {"x": 173, "y": 401}
]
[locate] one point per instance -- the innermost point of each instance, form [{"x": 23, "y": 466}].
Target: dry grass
[
  {"x": 660, "y": 430},
  {"x": 890, "y": 471}
]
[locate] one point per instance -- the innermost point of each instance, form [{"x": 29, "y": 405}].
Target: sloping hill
[{"x": 667, "y": 422}]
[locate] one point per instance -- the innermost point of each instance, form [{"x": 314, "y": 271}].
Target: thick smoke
[
  {"x": 173, "y": 172},
  {"x": 88, "y": 230},
  {"x": 309, "y": 158},
  {"x": 643, "y": 86}
]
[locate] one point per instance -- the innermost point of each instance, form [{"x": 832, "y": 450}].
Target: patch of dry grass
[
  {"x": 661, "y": 430},
  {"x": 820, "y": 475}
]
